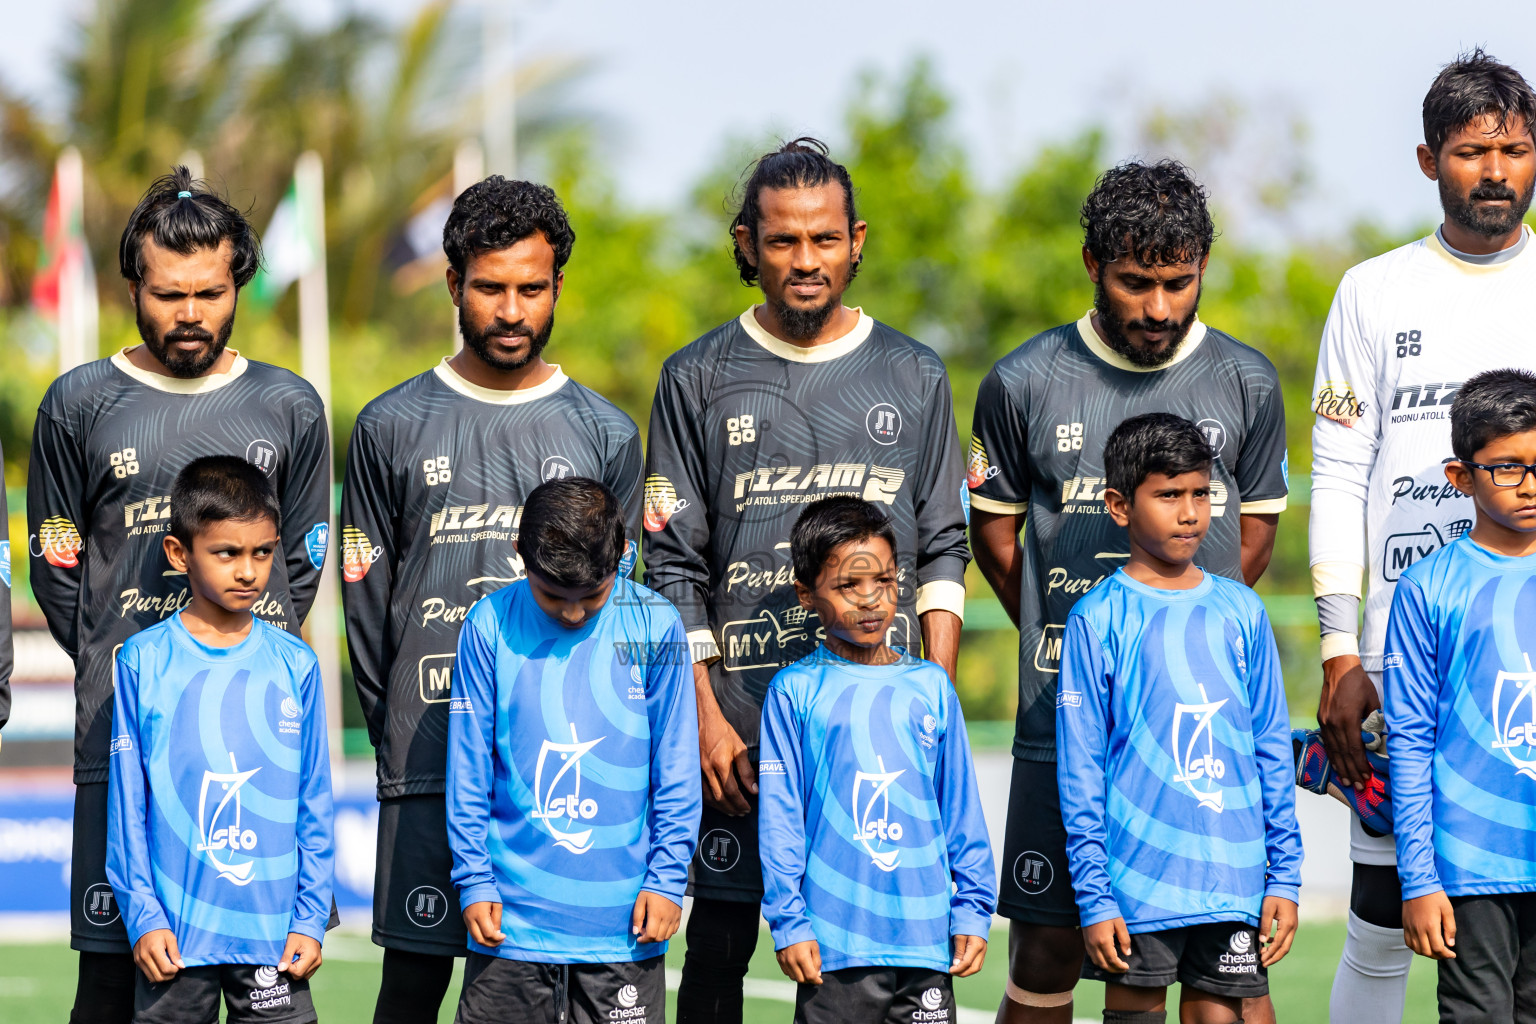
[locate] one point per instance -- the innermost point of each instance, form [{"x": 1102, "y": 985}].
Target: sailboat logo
[
  {"x": 1194, "y": 750},
  {"x": 873, "y": 824},
  {"x": 1514, "y": 697},
  {"x": 221, "y": 828},
  {"x": 560, "y": 797}
]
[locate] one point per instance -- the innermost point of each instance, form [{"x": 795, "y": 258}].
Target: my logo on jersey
[
  {"x": 5, "y": 562},
  {"x": 99, "y": 906},
  {"x": 358, "y": 553},
  {"x": 556, "y": 467},
  {"x": 124, "y": 463},
  {"x": 1194, "y": 751},
  {"x": 1514, "y": 718},
  {"x": 222, "y": 836},
  {"x": 662, "y": 502},
  {"x": 434, "y": 677},
  {"x": 315, "y": 542},
  {"x": 262, "y": 454},
  {"x": 741, "y": 429},
  {"x": 59, "y": 542},
  {"x": 1403, "y": 549},
  {"x": 1336, "y": 400},
  {"x": 426, "y": 906},
  {"x": 719, "y": 850},
  {"x": 978, "y": 468},
  {"x": 1215, "y": 433},
  {"x": 1069, "y": 437},
  {"x": 437, "y": 470},
  {"x": 871, "y": 806},
  {"x": 883, "y": 421},
  {"x": 557, "y": 792}
]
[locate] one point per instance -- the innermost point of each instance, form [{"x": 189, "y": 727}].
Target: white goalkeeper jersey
[{"x": 1406, "y": 330}]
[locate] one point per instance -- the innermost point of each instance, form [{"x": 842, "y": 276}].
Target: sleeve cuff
[
  {"x": 1285, "y": 892},
  {"x": 1413, "y": 892},
  {"x": 145, "y": 921},
  {"x": 1269, "y": 506},
  {"x": 676, "y": 896},
  {"x": 788, "y": 935},
  {"x": 942, "y": 595},
  {"x": 1100, "y": 914},
  {"x": 313, "y": 928},
  {"x": 968, "y": 922},
  {"x": 480, "y": 892},
  {"x": 702, "y": 643},
  {"x": 1339, "y": 645},
  {"x": 980, "y": 503},
  {"x": 1337, "y": 578}
]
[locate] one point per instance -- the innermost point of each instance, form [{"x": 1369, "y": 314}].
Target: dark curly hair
[
  {"x": 1153, "y": 213},
  {"x": 496, "y": 214},
  {"x": 802, "y": 163},
  {"x": 1154, "y": 442},
  {"x": 1470, "y": 86},
  {"x": 184, "y": 215}
]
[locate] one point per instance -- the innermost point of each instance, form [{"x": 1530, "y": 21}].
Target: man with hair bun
[
  {"x": 1042, "y": 418},
  {"x": 437, "y": 474},
  {"x": 109, "y": 440}
]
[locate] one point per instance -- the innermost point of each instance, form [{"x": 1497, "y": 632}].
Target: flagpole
[
  {"x": 77, "y": 292},
  {"x": 315, "y": 365}
]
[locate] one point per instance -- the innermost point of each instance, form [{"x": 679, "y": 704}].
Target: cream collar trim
[
  {"x": 451, "y": 377},
  {"x": 1096, "y": 345},
  {"x": 182, "y": 385},
  {"x": 815, "y": 354},
  {"x": 1434, "y": 245}
]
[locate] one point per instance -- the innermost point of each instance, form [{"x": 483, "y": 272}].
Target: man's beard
[
  {"x": 804, "y": 324},
  {"x": 1115, "y": 332},
  {"x": 182, "y": 364},
  {"x": 1489, "y": 223},
  {"x": 479, "y": 341}
]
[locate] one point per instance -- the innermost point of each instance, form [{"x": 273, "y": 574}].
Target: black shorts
[
  {"x": 415, "y": 906},
  {"x": 95, "y": 921},
  {"x": 725, "y": 865},
  {"x": 870, "y": 995},
  {"x": 1036, "y": 887},
  {"x": 251, "y": 994},
  {"x": 1220, "y": 958},
  {"x": 498, "y": 991},
  {"x": 1493, "y": 977}
]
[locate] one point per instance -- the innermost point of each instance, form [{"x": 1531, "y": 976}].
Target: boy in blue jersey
[
  {"x": 573, "y": 776},
  {"x": 877, "y": 874},
  {"x": 1459, "y": 703},
  {"x": 219, "y": 819},
  {"x": 1175, "y": 753}
]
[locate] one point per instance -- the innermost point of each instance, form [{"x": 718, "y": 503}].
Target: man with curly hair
[
  {"x": 437, "y": 474},
  {"x": 1042, "y": 417}
]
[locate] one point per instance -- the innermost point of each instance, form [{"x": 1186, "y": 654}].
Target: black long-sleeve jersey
[
  {"x": 746, "y": 430},
  {"x": 109, "y": 441},
  {"x": 6, "y": 658},
  {"x": 436, "y": 478}
]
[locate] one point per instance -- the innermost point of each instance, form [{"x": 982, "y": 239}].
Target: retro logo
[
  {"x": 315, "y": 542},
  {"x": 358, "y": 553},
  {"x": 661, "y": 502},
  {"x": 559, "y": 798},
  {"x": 978, "y": 468},
  {"x": 59, "y": 542},
  {"x": 1336, "y": 400}
]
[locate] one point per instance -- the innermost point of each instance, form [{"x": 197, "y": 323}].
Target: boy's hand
[
  {"x": 157, "y": 955},
  {"x": 483, "y": 920},
  {"x": 301, "y": 956},
  {"x": 1106, "y": 942},
  {"x": 655, "y": 918},
  {"x": 970, "y": 953},
  {"x": 801, "y": 962},
  {"x": 1277, "y": 927},
  {"x": 1429, "y": 926}
]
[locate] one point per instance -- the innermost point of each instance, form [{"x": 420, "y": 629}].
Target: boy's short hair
[
  {"x": 216, "y": 488},
  {"x": 572, "y": 532},
  {"x": 1495, "y": 403},
  {"x": 1154, "y": 442},
  {"x": 828, "y": 524}
]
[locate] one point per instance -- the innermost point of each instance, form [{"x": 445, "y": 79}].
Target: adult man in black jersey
[
  {"x": 436, "y": 476},
  {"x": 109, "y": 440},
  {"x": 798, "y": 398},
  {"x": 1042, "y": 417}
]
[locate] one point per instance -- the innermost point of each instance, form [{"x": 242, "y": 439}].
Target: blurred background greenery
[{"x": 972, "y": 271}]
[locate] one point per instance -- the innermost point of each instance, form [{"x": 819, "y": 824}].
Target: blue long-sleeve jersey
[
  {"x": 573, "y": 771},
  {"x": 870, "y": 829},
  {"x": 219, "y": 825},
  {"x": 1460, "y": 700},
  {"x": 1175, "y": 767}
]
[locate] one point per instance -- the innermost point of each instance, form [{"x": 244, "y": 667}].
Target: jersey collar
[
  {"x": 451, "y": 377},
  {"x": 816, "y": 354},
  {"x": 1434, "y": 245},
  {"x": 182, "y": 385},
  {"x": 1096, "y": 345}
]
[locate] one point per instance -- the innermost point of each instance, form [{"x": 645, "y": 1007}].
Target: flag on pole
[
  {"x": 64, "y": 289},
  {"x": 293, "y": 245}
]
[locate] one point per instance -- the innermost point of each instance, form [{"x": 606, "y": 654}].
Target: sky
[{"x": 673, "y": 80}]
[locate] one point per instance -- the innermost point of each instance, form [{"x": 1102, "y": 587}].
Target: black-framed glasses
[{"x": 1504, "y": 474}]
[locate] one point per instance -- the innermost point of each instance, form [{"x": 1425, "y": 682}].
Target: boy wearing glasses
[{"x": 1460, "y": 696}]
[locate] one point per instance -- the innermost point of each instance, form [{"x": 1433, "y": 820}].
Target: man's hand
[
  {"x": 1347, "y": 698},
  {"x": 722, "y": 755},
  {"x": 1429, "y": 926},
  {"x": 655, "y": 918},
  {"x": 970, "y": 954},
  {"x": 1277, "y": 927},
  {"x": 301, "y": 956},
  {"x": 1106, "y": 942},
  {"x": 483, "y": 920},
  {"x": 157, "y": 955},
  {"x": 801, "y": 962}
]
